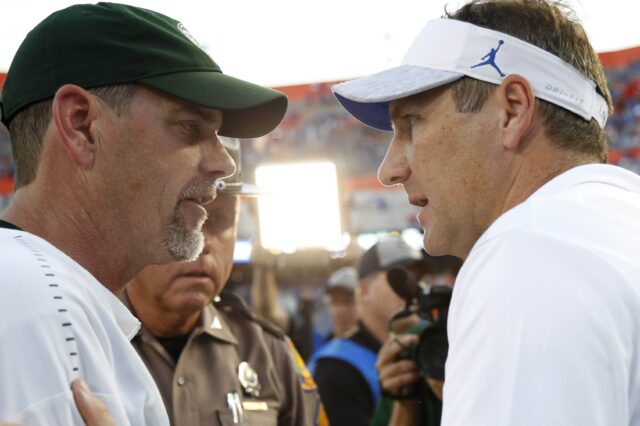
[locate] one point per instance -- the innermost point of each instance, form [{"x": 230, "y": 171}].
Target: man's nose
[
  {"x": 216, "y": 161},
  {"x": 394, "y": 168}
]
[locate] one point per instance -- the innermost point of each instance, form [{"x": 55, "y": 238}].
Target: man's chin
[
  {"x": 193, "y": 291},
  {"x": 186, "y": 246},
  {"x": 191, "y": 305}
]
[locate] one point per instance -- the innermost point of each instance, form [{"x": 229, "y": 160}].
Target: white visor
[{"x": 447, "y": 50}]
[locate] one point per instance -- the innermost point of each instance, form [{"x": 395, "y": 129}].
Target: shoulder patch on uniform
[
  {"x": 304, "y": 375},
  {"x": 228, "y": 299},
  {"x": 308, "y": 386}
]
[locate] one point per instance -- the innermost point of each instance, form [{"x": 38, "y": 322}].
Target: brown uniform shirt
[{"x": 205, "y": 387}]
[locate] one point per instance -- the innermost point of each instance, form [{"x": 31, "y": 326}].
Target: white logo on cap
[{"x": 187, "y": 34}]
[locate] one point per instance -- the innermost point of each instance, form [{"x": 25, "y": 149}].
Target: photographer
[
  {"x": 411, "y": 361},
  {"x": 344, "y": 369},
  {"x": 425, "y": 406}
]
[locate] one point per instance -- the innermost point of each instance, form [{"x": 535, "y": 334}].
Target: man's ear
[
  {"x": 517, "y": 105},
  {"x": 74, "y": 111}
]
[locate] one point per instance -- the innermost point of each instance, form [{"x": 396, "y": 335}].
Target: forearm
[{"x": 404, "y": 413}]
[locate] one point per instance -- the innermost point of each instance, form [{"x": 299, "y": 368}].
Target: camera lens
[{"x": 431, "y": 351}]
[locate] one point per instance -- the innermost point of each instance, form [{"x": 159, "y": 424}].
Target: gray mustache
[{"x": 200, "y": 188}]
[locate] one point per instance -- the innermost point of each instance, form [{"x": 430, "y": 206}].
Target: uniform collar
[
  {"x": 214, "y": 323},
  {"x": 211, "y": 322}
]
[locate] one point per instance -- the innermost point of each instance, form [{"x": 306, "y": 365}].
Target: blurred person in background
[
  {"x": 114, "y": 139},
  {"x": 340, "y": 299},
  {"x": 498, "y": 112},
  {"x": 213, "y": 360},
  {"x": 344, "y": 368},
  {"x": 265, "y": 301}
]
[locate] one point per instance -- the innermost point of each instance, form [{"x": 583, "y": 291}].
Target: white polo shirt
[
  {"x": 58, "y": 323},
  {"x": 544, "y": 324}
]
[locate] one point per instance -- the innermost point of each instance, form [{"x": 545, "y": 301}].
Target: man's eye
[
  {"x": 410, "y": 120},
  {"x": 189, "y": 128}
]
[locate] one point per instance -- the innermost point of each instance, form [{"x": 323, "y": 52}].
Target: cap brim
[
  {"x": 249, "y": 110},
  {"x": 367, "y": 99}
]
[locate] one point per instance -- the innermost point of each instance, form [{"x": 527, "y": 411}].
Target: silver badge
[{"x": 249, "y": 379}]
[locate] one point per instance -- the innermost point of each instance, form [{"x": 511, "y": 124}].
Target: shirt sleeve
[
  {"x": 344, "y": 392},
  {"x": 540, "y": 333}
]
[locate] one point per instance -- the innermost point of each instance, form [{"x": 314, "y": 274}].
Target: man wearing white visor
[{"x": 498, "y": 114}]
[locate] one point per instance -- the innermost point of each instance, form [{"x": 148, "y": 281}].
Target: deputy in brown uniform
[{"x": 214, "y": 362}]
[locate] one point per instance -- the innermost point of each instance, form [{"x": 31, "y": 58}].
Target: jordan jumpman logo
[{"x": 491, "y": 59}]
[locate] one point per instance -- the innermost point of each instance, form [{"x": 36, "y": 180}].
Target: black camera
[{"x": 431, "y": 303}]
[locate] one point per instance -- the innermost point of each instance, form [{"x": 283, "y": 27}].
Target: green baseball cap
[{"x": 104, "y": 44}]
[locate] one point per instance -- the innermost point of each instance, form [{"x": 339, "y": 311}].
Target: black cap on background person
[
  {"x": 345, "y": 278},
  {"x": 387, "y": 254}
]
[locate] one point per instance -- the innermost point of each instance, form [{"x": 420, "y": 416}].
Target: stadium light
[
  {"x": 413, "y": 237},
  {"x": 301, "y": 207}
]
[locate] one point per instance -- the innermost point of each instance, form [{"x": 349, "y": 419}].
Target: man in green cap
[{"x": 114, "y": 113}]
